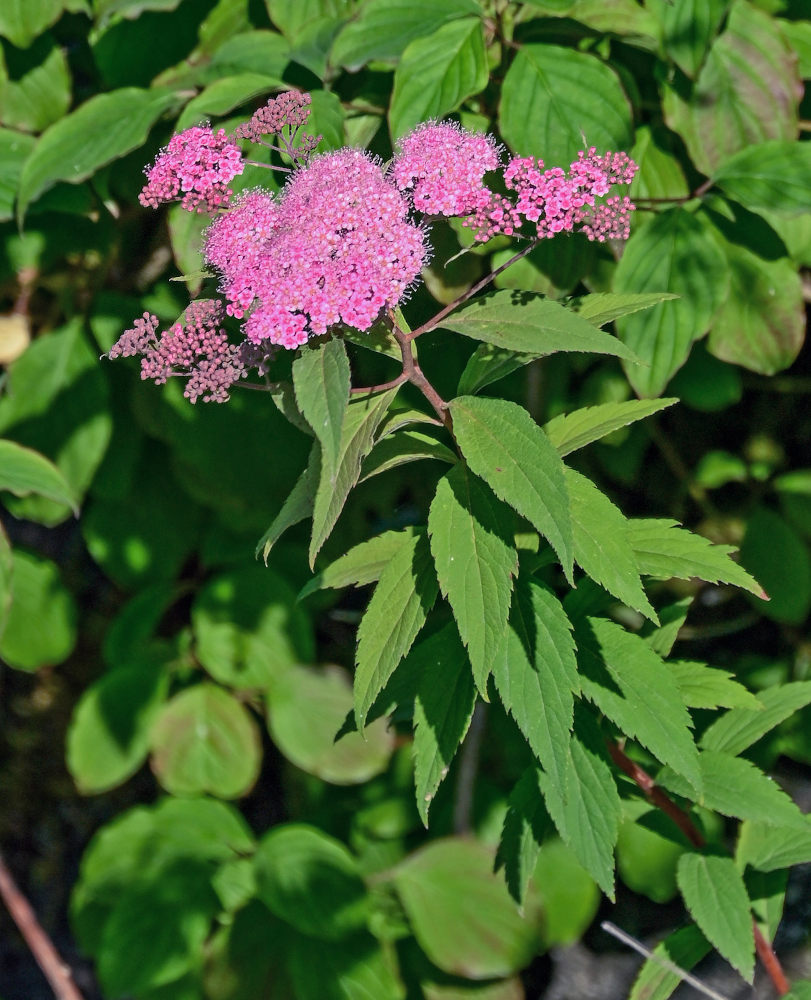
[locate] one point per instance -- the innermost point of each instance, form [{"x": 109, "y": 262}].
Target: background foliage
[{"x": 143, "y": 632}]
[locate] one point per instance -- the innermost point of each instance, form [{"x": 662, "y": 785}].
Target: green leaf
[
  {"x": 488, "y": 364},
  {"x": 397, "y": 611},
  {"x": 35, "y": 89},
  {"x": 360, "y": 422},
  {"x": 443, "y": 710},
  {"x": 630, "y": 684},
  {"x": 531, "y": 324},
  {"x": 735, "y": 787},
  {"x": 569, "y": 896},
  {"x": 362, "y": 564},
  {"x": 684, "y": 948},
  {"x": 263, "y": 52},
  {"x": 247, "y": 628},
  {"x": 203, "y": 740},
  {"x": 108, "y": 737},
  {"x": 526, "y": 826},
  {"x": 536, "y": 675},
  {"x": 6, "y": 579},
  {"x": 570, "y": 431},
  {"x": 739, "y": 728},
  {"x": 14, "y": 150},
  {"x": 298, "y": 505},
  {"x": 673, "y": 252},
  {"x": 472, "y": 544},
  {"x": 688, "y": 29},
  {"x": 671, "y": 617},
  {"x": 663, "y": 549},
  {"x": 601, "y": 308},
  {"x": 321, "y": 383},
  {"x": 223, "y": 96},
  {"x": 770, "y": 175},
  {"x": 384, "y": 28},
  {"x": 103, "y": 129},
  {"x": 660, "y": 173},
  {"x": 505, "y": 447},
  {"x": 769, "y": 848},
  {"x": 707, "y": 687},
  {"x": 41, "y": 624},
  {"x": 461, "y": 913},
  {"x": 716, "y": 897},
  {"x": 747, "y": 91},
  {"x": 800, "y": 990},
  {"x": 22, "y": 20},
  {"x": 24, "y": 471},
  {"x": 400, "y": 449},
  {"x": 437, "y": 73},
  {"x": 306, "y": 707},
  {"x": 311, "y": 881},
  {"x": 777, "y": 554},
  {"x": 355, "y": 968},
  {"x": 601, "y": 544},
  {"x": 553, "y": 96}
]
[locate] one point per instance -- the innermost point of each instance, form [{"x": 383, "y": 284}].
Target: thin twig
[
  {"x": 770, "y": 962},
  {"x": 415, "y": 375},
  {"x": 47, "y": 957},
  {"x": 468, "y": 769},
  {"x": 381, "y": 387}
]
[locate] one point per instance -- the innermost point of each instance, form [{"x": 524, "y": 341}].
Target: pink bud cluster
[
  {"x": 197, "y": 166},
  {"x": 283, "y": 116},
  {"x": 197, "y": 350}
]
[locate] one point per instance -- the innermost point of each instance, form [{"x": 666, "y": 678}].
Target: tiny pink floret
[{"x": 196, "y": 168}]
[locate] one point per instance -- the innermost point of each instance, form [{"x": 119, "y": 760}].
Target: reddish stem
[
  {"x": 380, "y": 387},
  {"x": 770, "y": 962}
]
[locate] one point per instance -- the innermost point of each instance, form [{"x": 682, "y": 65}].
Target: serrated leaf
[
  {"x": 688, "y": 29},
  {"x": 526, "y": 825},
  {"x": 684, "y": 948},
  {"x": 630, "y": 684},
  {"x": 671, "y": 619},
  {"x": 360, "y": 423},
  {"x": 471, "y": 534},
  {"x": 321, "y": 383},
  {"x": 707, "y": 687},
  {"x": 397, "y": 611},
  {"x": 536, "y": 675},
  {"x": 437, "y": 73},
  {"x": 735, "y": 787},
  {"x": 571, "y": 431},
  {"x": 553, "y": 96},
  {"x": 488, "y": 364},
  {"x": 771, "y": 175},
  {"x": 297, "y": 506},
  {"x": 739, "y": 728},
  {"x": 506, "y": 448},
  {"x": 673, "y": 252},
  {"x": 715, "y": 895},
  {"x": 601, "y": 544},
  {"x": 402, "y": 448},
  {"x": 533, "y": 325},
  {"x": 601, "y": 308},
  {"x": 24, "y": 471},
  {"x": 769, "y": 848},
  {"x": 362, "y": 564},
  {"x": 443, "y": 710},
  {"x": 663, "y": 549}
]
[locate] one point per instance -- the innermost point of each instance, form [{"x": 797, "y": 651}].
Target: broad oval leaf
[
  {"x": 223, "y": 96},
  {"x": 21, "y": 21},
  {"x": 688, "y": 28},
  {"x": 24, "y": 471},
  {"x": 556, "y": 101},
  {"x": 774, "y": 552},
  {"x": 771, "y": 175}
]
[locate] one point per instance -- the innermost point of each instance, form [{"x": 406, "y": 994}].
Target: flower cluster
[
  {"x": 283, "y": 116},
  {"x": 197, "y": 166},
  {"x": 197, "y": 350}
]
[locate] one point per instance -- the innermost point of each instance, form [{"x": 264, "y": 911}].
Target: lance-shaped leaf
[
  {"x": 768, "y": 848},
  {"x": 531, "y": 324},
  {"x": 474, "y": 551},
  {"x": 397, "y": 611},
  {"x": 321, "y": 384},
  {"x": 707, "y": 687},
  {"x": 536, "y": 674},
  {"x": 362, "y": 564},
  {"x": 600, "y": 308},
  {"x": 739, "y": 728},
  {"x": 716, "y": 897},
  {"x": 684, "y": 949},
  {"x": 526, "y": 825},
  {"x": 630, "y": 684},
  {"x": 443, "y": 710},
  {"x": 297, "y": 506},
  {"x": 511, "y": 453},
  {"x": 571, "y": 431},
  {"x": 601, "y": 544},
  {"x": 663, "y": 549},
  {"x": 400, "y": 449},
  {"x": 24, "y": 471},
  {"x": 335, "y": 484}
]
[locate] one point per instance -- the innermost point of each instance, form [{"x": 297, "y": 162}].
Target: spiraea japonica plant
[{"x": 521, "y": 582}]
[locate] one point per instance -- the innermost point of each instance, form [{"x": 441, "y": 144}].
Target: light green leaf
[
  {"x": 663, "y": 549},
  {"x": 532, "y": 325},
  {"x": 800, "y": 990},
  {"x": 6, "y": 579},
  {"x": 671, "y": 617},
  {"x": 400, "y": 449},
  {"x": 14, "y": 150},
  {"x": 601, "y": 546},
  {"x": 223, "y": 96},
  {"x": 23, "y": 471},
  {"x": 735, "y": 787},
  {"x": 526, "y": 826},
  {"x": 601, "y": 308},
  {"x": 536, "y": 676},
  {"x": 771, "y": 175},
  {"x": 716, "y": 897},
  {"x": 263, "y": 52},
  {"x": 461, "y": 913},
  {"x": 22, "y": 20},
  {"x": 660, "y": 173},
  {"x": 362, "y": 564},
  {"x": 688, "y": 29},
  {"x": 707, "y": 687},
  {"x": 569, "y": 896},
  {"x": 437, "y": 73},
  {"x": 574, "y": 430},
  {"x": 298, "y": 505},
  {"x": 673, "y": 252},
  {"x": 556, "y": 101},
  {"x": 35, "y": 88},
  {"x": 506, "y": 448},
  {"x": 769, "y": 848},
  {"x": 739, "y": 728},
  {"x": 472, "y": 544},
  {"x": 443, "y": 710},
  {"x": 684, "y": 948},
  {"x": 648, "y": 706},
  {"x": 397, "y": 611},
  {"x": 311, "y": 881},
  {"x": 101, "y": 130},
  {"x": 321, "y": 382},
  {"x": 360, "y": 422}
]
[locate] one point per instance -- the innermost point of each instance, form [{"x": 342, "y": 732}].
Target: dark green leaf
[
  {"x": 23, "y": 471},
  {"x": 263, "y": 52},
  {"x": 739, "y": 728},
  {"x": 360, "y": 565},
  {"x": 777, "y": 555},
  {"x": 350, "y": 969},
  {"x": 688, "y": 28},
  {"x": 321, "y": 382},
  {"x": 223, "y": 96},
  {"x": 684, "y": 949},
  {"x": 6, "y": 578},
  {"x": 526, "y": 826},
  {"x": 400, "y": 449},
  {"x": 36, "y": 90},
  {"x": 574, "y": 430},
  {"x": 298, "y": 505},
  {"x": 488, "y": 364},
  {"x": 771, "y": 175}
]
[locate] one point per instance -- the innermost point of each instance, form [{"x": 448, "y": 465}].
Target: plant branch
[
  {"x": 47, "y": 958},
  {"x": 657, "y": 797},
  {"x": 380, "y": 387},
  {"x": 414, "y": 374}
]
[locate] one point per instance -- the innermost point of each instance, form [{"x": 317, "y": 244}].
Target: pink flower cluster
[
  {"x": 197, "y": 350},
  {"x": 283, "y": 116},
  {"x": 197, "y": 166},
  {"x": 337, "y": 247}
]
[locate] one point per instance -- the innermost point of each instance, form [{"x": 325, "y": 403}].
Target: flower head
[
  {"x": 196, "y": 167},
  {"x": 283, "y": 116}
]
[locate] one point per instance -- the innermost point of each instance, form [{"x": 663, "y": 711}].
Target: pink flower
[
  {"x": 196, "y": 167},
  {"x": 283, "y": 116}
]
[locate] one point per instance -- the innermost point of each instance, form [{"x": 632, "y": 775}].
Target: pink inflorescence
[
  {"x": 283, "y": 116},
  {"x": 197, "y": 350},
  {"x": 196, "y": 167},
  {"x": 557, "y": 201},
  {"x": 337, "y": 247}
]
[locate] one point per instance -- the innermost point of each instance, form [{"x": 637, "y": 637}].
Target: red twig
[
  {"x": 47, "y": 957},
  {"x": 657, "y": 797}
]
